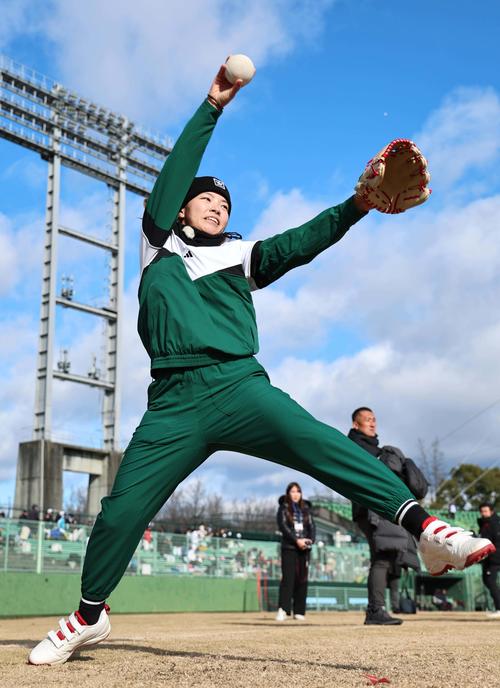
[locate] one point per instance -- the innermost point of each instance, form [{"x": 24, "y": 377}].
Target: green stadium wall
[{"x": 31, "y": 594}]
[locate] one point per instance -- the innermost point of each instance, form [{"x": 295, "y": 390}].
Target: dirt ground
[{"x": 430, "y": 650}]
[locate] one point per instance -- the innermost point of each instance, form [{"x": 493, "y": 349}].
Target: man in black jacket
[
  {"x": 489, "y": 526},
  {"x": 391, "y": 547}
]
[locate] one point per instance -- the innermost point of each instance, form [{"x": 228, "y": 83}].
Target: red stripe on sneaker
[
  {"x": 70, "y": 626},
  {"x": 427, "y": 521},
  {"x": 480, "y": 554},
  {"x": 438, "y": 530},
  {"x": 80, "y": 619},
  {"x": 60, "y": 635},
  {"x": 450, "y": 534}
]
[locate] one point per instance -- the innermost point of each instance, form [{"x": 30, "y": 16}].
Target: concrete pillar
[
  {"x": 100, "y": 466},
  {"x": 28, "y": 475},
  {"x": 100, "y": 485}
]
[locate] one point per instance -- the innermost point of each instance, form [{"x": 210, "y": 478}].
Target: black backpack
[{"x": 406, "y": 469}]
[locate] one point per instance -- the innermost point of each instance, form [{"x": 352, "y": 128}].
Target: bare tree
[
  {"x": 255, "y": 514},
  {"x": 173, "y": 510},
  {"x": 432, "y": 464},
  {"x": 194, "y": 502},
  {"x": 186, "y": 507},
  {"x": 214, "y": 509},
  {"x": 190, "y": 506},
  {"x": 76, "y": 503}
]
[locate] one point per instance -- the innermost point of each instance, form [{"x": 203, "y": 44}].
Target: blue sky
[{"x": 402, "y": 315}]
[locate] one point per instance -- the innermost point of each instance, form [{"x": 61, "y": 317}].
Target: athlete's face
[
  {"x": 366, "y": 423},
  {"x": 295, "y": 494},
  {"x": 208, "y": 212}
]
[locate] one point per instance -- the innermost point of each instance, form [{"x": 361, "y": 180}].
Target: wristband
[{"x": 214, "y": 102}]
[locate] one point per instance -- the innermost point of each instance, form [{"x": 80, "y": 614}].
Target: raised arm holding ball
[{"x": 197, "y": 322}]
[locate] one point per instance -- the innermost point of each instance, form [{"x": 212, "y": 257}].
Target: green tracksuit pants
[{"x": 231, "y": 406}]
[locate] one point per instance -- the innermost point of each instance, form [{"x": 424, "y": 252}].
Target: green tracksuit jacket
[{"x": 195, "y": 302}]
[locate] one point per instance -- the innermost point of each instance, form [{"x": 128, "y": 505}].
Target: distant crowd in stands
[
  {"x": 223, "y": 552},
  {"x": 205, "y": 550},
  {"x": 63, "y": 526},
  {"x": 50, "y": 516}
]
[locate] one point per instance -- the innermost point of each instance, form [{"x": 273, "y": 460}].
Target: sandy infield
[{"x": 430, "y": 650}]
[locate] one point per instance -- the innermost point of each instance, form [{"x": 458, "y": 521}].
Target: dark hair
[
  {"x": 358, "y": 410},
  {"x": 487, "y": 504},
  {"x": 288, "y": 500}
]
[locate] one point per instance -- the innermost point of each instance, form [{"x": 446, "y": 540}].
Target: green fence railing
[{"x": 36, "y": 546}]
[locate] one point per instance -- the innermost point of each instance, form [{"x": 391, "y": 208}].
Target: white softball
[{"x": 239, "y": 67}]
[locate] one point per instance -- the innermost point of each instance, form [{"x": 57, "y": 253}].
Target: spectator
[
  {"x": 298, "y": 532},
  {"x": 489, "y": 526},
  {"x": 391, "y": 546},
  {"x": 193, "y": 537},
  {"x": 452, "y": 512},
  {"x": 59, "y": 531},
  {"x": 147, "y": 539},
  {"x": 61, "y": 522},
  {"x": 34, "y": 513}
]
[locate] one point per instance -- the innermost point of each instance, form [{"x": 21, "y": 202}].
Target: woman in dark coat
[{"x": 298, "y": 532}]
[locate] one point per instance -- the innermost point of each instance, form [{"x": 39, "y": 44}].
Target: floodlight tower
[{"x": 66, "y": 129}]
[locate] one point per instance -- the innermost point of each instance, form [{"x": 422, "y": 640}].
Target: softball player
[{"x": 197, "y": 322}]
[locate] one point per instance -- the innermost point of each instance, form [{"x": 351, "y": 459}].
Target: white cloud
[
  {"x": 236, "y": 476},
  {"x": 422, "y": 287},
  {"x": 286, "y": 320},
  {"x": 32, "y": 171},
  {"x": 152, "y": 61},
  {"x": 20, "y": 251},
  {"x": 16, "y": 391},
  {"x": 9, "y": 269},
  {"x": 285, "y": 210},
  {"x": 414, "y": 396},
  {"x": 13, "y": 20},
  {"x": 290, "y": 322},
  {"x": 462, "y": 135},
  {"x": 414, "y": 278}
]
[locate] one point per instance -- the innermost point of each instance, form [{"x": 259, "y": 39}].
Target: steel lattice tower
[{"x": 66, "y": 129}]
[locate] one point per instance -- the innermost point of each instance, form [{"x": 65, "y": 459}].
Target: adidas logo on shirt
[{"x": 188, "y": 255}]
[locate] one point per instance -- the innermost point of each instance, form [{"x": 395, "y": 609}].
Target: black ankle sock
[
  {"x": 90, "y": 613},
  {"x": 413, "y": 520}
]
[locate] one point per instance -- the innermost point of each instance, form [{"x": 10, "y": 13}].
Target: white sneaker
[
  {"x": 299, "y": 617},
  {"x": 444, "y": 547},
  {"x": 494, "y": 615},
  {"x": 73, "y": 633},
  {"x": 281, "y": 615}
]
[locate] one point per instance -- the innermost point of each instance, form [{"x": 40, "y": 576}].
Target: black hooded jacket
[
  {"x": 383, "y": 535},
  {"x": 289, "y": 537},
  {"x": 490, "y": 528}
]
